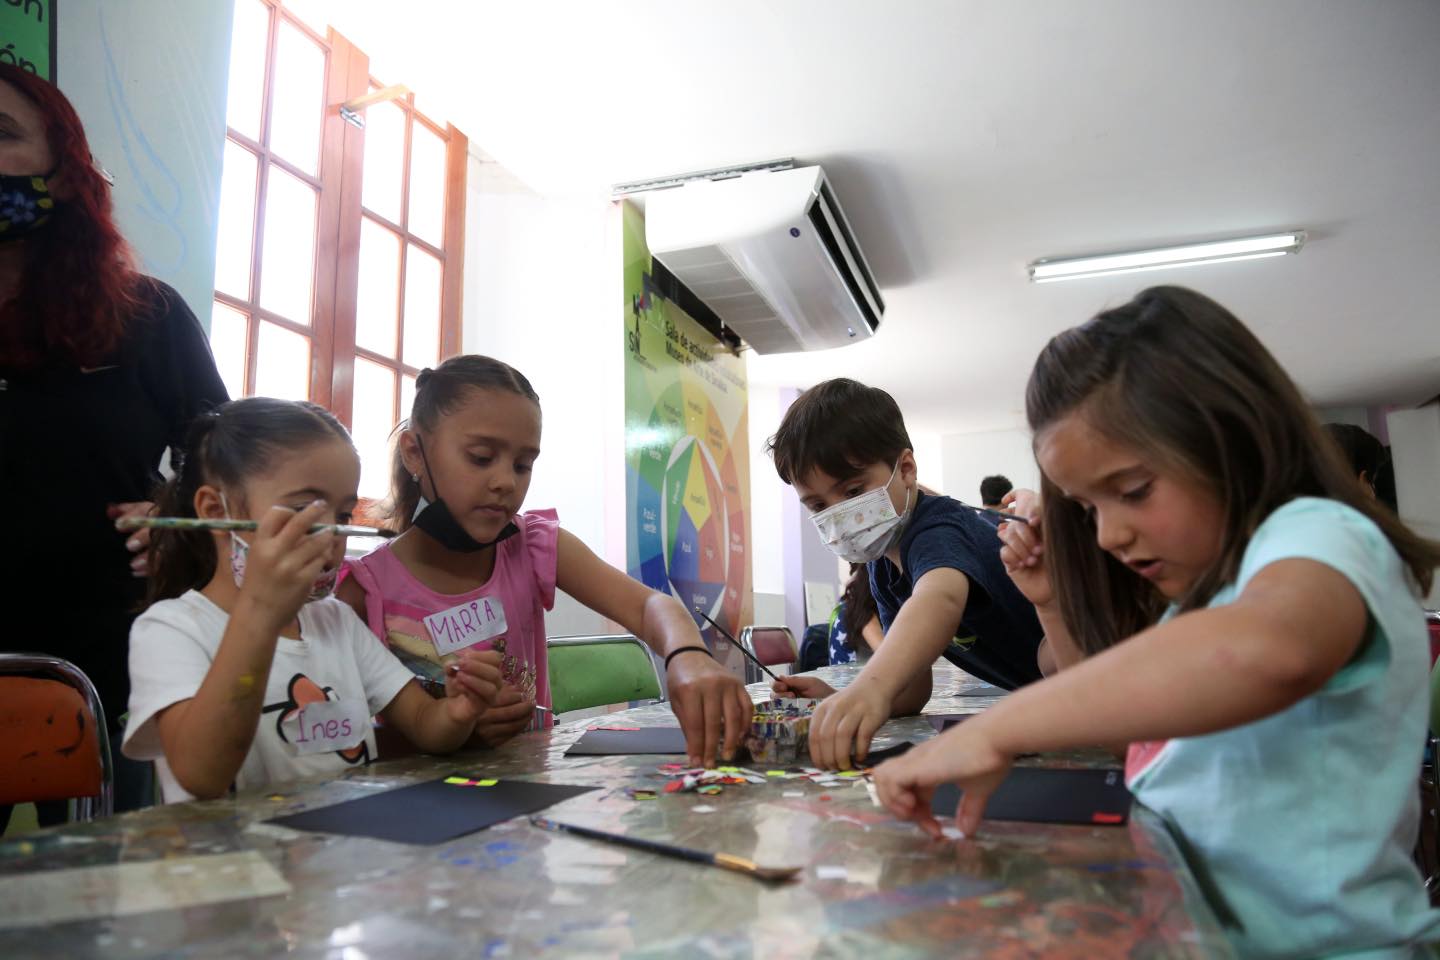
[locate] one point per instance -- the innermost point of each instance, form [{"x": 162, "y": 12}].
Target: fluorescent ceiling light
[{"x": 1051, "y": 269}]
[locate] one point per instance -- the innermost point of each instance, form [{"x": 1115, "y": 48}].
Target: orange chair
[
  {"x": 53, "y": 741},
  {"x": 772, "y": 646}
]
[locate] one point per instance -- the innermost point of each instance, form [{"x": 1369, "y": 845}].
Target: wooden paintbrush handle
[{"x": 639, "y": 843}]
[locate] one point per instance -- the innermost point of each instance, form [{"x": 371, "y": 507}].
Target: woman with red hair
[{"x": 100, "y": 370}]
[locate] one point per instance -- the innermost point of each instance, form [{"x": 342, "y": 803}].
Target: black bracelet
[{"x": 675, "y": 653}]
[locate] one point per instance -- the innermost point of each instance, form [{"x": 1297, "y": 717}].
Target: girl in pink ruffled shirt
[{"x": 469, "y": 571}]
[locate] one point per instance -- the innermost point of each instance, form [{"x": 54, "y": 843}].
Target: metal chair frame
[
  {"x": 608, "y": 638},
  {"x": 46, "y": 667},
  {"x": 752, "y": 672}
]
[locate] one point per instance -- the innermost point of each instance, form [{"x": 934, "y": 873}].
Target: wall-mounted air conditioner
[{"x": 772, "y": 254}]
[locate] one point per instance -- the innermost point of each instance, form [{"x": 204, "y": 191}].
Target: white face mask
[{"x": 862, "y": 528}]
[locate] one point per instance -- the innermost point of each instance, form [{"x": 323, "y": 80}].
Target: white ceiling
[{"x": 967, "y": 138}]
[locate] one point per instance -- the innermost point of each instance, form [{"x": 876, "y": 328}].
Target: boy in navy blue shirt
[{"x": 934, "y": 565}]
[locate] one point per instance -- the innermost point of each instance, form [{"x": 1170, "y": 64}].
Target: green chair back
[
  {"x": 1435, "y": 698},
  {"x": 596, "y": 671}
]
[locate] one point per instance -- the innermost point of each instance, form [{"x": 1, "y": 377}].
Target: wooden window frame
[{"x": 339, "y": 212}]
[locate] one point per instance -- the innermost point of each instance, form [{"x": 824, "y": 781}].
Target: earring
[{"x": 415, "y": 477}]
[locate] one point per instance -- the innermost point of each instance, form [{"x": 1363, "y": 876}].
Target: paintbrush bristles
[{"x": 753, "y": 869}]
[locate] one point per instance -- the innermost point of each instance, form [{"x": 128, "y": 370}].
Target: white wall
[
  {"x": 1415, "y": 447},
  {"x": 148, "y": 79},
  {"x": 970, "y": 457},
  {"x": 767, "y": 494},
  {"x": 929, "y": 453},
  {"x": 543, "y": 293}
]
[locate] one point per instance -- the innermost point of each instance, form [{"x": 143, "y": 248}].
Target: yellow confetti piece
[
  {"x": 488, "y": 783},
  {"x": 850, "y": 773},
  {"x": 774, "y": 773},
  {"x": 462, "y": 781}
]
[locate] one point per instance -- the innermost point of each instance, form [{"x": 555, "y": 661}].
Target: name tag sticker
[
  {"x": 330, "y": 725},
  {"x": 466, "y": 624}
]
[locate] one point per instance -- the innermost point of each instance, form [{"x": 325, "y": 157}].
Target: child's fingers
[
  {"x": 691, "y": 721},
  {"x": 972, "y": 809},
  {"x": 864, "y": 733},
  {"x": 509, "y": 696},
  {"x": 274, "y": 522},
  {"x": 925, "y": 819},
  {"x": 482, "y": 666},
  {"x": 895, "y": 787},
  {"x": 843, "y": 740},
  {"x": 712, "y": 711},
  {"x": 820, "y": 722},
  {"x": 780, "y": 688},
  {"x": 509, "y": 712},
  {"x": 737, "y": 710},
  {"x": 480, "y": 689}
]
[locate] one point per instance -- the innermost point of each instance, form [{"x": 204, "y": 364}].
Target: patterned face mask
[
  {"x": 323, "y": 586},
  {"x": 25, "y": 204},
  {"x": 862, "y": 528}
]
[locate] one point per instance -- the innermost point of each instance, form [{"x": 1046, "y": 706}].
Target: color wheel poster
[{"x": 687, "y": 464}]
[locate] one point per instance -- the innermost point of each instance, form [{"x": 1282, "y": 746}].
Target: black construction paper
[
  {"x": 1048, "y": 795},
  {"x": 432, "y": 812},
  {"x": 619, "y": 743}
]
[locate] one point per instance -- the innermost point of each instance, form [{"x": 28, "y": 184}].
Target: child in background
[
  {"x": 934, "y": 566},
  {"x": 1369, "y": 460},
  {"x": 470, "y": 571},
  {"x": 855, "y": 624},
  {"x": 1276, "y": 708},
  {"x": 993, "y": 490},
  {"x": 244, "y": 671}
]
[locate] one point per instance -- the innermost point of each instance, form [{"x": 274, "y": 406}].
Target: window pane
[
  {"x": 282, "y": 363},
  {"x": 373, "y": 419},
  {"x": 229, "y": 341},
  {"x": 384, "y": 159},
  {"x": 377, "y": 313},
  {"x": 247, "y": 67},
  {"x": 315, "y": 14},
  {"x": 287, "y": 264},
  {"x": 427, "y": 185},
  {"x": 407, "y": 396},
  {"x": 237, "y": 221},
  {"x": 422, "y": 308},
  {"x": 432, "y": 106},
  {"x": 298, "y": 103}
]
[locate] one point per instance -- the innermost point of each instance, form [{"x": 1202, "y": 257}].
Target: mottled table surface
[{"x": 872, "y": 887}]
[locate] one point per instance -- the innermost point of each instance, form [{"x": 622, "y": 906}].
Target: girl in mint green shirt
[{"x": 1217, "y": 591}]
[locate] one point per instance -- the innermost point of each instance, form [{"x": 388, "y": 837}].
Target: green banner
[
  {"x": 687, "y": 451},
  {"x": 27, "y": 35}
]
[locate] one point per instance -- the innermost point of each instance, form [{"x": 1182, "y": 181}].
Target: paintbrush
[
  {"x": 723, "y": 860},
  {"x": 994, "y": 513},
  {"x": 198, "y": 523},
  {"x": 740, "y": 646}
]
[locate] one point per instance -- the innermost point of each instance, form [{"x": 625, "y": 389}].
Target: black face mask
[{"x": 440, "y": 524}]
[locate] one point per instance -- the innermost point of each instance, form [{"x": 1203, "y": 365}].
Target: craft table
[{"x": 212, "y": 880}]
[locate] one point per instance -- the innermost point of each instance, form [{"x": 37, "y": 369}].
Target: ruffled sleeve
[
  {"x": 541, "y": 529},
  {"x": 374, "y": 600}
]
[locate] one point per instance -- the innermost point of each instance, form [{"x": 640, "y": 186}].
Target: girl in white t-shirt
[{"x": 245, "y": 671}]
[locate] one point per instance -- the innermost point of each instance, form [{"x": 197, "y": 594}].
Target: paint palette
[{"x": 780, "y": 731}]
